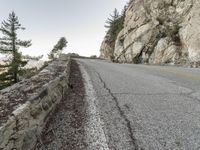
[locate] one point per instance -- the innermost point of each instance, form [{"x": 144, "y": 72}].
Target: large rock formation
[
  {"x": 158, "y": 32},
  {"x": 106, "y": 50}
]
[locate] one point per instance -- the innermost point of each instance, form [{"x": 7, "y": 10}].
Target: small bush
[{"x": 93, "y": 56}]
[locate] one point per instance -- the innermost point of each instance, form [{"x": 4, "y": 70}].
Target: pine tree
[
  {"x": 111, "y": 24},
  {"x": 58, "y": 48},
  {"x": 114, "y": 24},
  {"x": 113, "y": 18},
  {"x": 9, "y": 45}
]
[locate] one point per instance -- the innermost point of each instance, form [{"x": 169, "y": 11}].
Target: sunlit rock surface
[{"x": 159, "y": 32}]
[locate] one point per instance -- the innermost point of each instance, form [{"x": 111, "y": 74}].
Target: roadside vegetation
[
  {"x": 57, "y": 49},
  {"x": 94, "y": 57},
  {"x": 15, "y": 66},
  {"x": 114, "y": 24},
  {"x": 9, "y": 45}
]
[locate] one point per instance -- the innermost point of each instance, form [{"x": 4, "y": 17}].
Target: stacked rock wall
[{"x": 26, "y": 106}]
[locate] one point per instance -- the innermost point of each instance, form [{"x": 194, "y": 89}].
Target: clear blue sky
[{"x": 80, "y": 21}]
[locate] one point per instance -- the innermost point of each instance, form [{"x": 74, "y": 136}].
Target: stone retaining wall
[{"x": 26, "y": 106}]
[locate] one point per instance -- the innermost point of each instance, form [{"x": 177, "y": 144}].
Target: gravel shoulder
[
  {"x": 76, "y": 123},
  {"x": 65, "y": 129}
]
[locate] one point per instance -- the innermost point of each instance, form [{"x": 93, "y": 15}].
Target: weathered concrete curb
[{"x": 22, "y": 128}]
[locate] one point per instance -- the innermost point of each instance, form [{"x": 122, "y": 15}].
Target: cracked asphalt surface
[
  {"x": 127, "y": 107},
  {"x": 146, "y": 107}
]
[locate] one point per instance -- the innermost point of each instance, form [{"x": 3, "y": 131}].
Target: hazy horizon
[{"x": 81, "y": 22}]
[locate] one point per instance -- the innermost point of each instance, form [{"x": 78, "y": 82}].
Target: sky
[{"x": 80, "y": 21}]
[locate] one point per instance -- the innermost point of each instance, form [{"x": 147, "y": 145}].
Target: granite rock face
[
  {"x": 160, "y": 32},
  {"x": 26, "y": 106},
  {"x": 106, "y": 50}
]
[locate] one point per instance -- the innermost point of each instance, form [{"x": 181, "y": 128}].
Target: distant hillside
[
  {"x": 30, "y": 64},
  {"x": 34, "y": 63}
]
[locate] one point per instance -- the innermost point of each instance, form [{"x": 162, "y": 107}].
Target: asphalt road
[{"x": 141, "y": 107}]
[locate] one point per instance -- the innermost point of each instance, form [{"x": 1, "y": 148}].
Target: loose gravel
[{"x": 65, "y": 129}]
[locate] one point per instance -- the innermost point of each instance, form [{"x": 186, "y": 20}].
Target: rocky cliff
[
  {"x": 159, "y": 32},
  {"x": 106, "y": 50}
]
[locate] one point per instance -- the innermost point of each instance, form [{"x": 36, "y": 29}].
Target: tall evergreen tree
[
  {"x": 58, "y": 48},
  {"x": 115, "y": 24},
  {"x": 112, "y": 25},
  {"x": 9, "y": 45},
  {"x": 112, "y": 19}
]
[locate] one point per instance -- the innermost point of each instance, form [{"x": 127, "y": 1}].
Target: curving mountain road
[{"x": 141, "y": 107}]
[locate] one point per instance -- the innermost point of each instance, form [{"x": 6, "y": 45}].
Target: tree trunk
[{"x": 15, "y": 61}]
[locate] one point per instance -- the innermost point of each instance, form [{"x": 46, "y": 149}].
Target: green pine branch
[{"x": 9, "y": 44}]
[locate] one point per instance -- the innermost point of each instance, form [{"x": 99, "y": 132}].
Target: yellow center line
[{"x": 181, "y": 74}]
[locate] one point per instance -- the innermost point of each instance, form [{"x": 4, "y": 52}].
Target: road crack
[{"x": 122, "y": 114}]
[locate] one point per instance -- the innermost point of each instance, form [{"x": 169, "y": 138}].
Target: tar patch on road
[{"x": 65, "y": 129}]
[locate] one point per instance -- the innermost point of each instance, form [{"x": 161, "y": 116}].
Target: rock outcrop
[
  {"x": 159, "y": 32},
  {"x": 106, "y": 50},
  {"x": 26, "y": 106}
]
